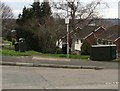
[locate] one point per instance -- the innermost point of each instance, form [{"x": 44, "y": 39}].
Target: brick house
[
  {"x": 117, "y": 42},
  {"x": 92, "y": 37},
  {"x": 111, "y": 36},
  {"x": 89, "y": 32}
]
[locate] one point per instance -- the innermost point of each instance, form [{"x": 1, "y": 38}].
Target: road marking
[{"x": 51, "y": 59}]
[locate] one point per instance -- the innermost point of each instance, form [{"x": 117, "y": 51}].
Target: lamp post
[{"x": 67, "y": 23}]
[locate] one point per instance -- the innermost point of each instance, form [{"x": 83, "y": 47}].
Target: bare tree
[
  {"x": 60, "y": 27},
  {"x": 8, "y": 22},
  {"x": 6, "y": 11},
  {"x": 79, "y": 14}
]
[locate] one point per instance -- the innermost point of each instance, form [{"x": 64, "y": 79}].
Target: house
[
  {"x": 89, "y": 32},
  {"x": 111, "y": 36},
  {"x": 117, "y": 42},
  {"x": 92, "y": 37}
]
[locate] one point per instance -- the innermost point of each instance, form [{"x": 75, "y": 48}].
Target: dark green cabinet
[{"x": 103, "y": 52}]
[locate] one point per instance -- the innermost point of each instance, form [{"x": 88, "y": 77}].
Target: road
[{"x": 16, "y": 77}]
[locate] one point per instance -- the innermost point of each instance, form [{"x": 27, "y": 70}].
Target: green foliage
[
  {"x": 45, "y": 9},
  {"x": 34, "y": 26},
  {"x": 36, "y": 11},
  {"x": 31, "y": 41},
  {"x": 86, "y": 48}
]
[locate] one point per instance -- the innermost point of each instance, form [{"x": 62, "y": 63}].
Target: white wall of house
[
  {"x": 60, "y": 45},
  {"x": 78, "y": 45}
]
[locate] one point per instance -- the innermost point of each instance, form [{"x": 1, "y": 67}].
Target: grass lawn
[
  {"x": 116, "y": 60},
  {"x": 8, "y": 42},
  {"x": 61, "y": 55},
  {"x": 8, "y": 52}
]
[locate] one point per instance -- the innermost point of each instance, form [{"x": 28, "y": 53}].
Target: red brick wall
[
  {"x": 99, "y": 31},
  {"x": 92, "y": 39},
  {"x": 118, "y": 45}
]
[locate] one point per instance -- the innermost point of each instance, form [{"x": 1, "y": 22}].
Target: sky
[{"x": 111, "y": 12}]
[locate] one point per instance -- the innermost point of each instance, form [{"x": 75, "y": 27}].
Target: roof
[
  {"x": 82, "y": 33},
  {"x": 86, "y": 31},
  {"x": 111, "y": 33},
  {"x": 117, "y": 39}
]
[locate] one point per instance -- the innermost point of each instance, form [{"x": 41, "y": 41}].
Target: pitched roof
[
  {"x": 111, "y": 33},
  {"x": 117, "y": 39},
  {"x": 86, "y": 31}
]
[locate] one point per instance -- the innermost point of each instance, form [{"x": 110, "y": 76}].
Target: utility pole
[{"x": 67, "y": 22}]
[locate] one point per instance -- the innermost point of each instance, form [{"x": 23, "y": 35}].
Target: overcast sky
[{"x": 111, "y": 12}]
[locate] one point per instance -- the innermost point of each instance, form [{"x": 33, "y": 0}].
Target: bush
[{"x": 86, "y": 48}]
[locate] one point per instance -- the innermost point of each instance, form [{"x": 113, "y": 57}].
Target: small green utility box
[
  {"x": 103, "y": 52},
  {"x": 16, "y": 46},
  {"x": 22, "y": 45},
  {"x": 64, "y": 48}
]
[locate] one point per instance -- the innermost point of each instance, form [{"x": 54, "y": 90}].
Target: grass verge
[
  {"x": 116, "y": 60},
  {"x": 8, "y": 52},
  {"x": 8, "y": 42},
  {"x": 60, "y": 55}
]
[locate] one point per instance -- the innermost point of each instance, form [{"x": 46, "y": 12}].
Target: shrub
[{"x": 86, "y": 48}]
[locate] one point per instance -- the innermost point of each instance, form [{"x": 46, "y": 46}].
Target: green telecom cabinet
[{"x": 103, "y": 52}]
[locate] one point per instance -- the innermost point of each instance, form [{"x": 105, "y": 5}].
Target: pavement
[{"x": 43, "y": 61}]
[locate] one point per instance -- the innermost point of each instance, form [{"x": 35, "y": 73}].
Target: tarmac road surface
[{"x": 16, "y": 77}]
